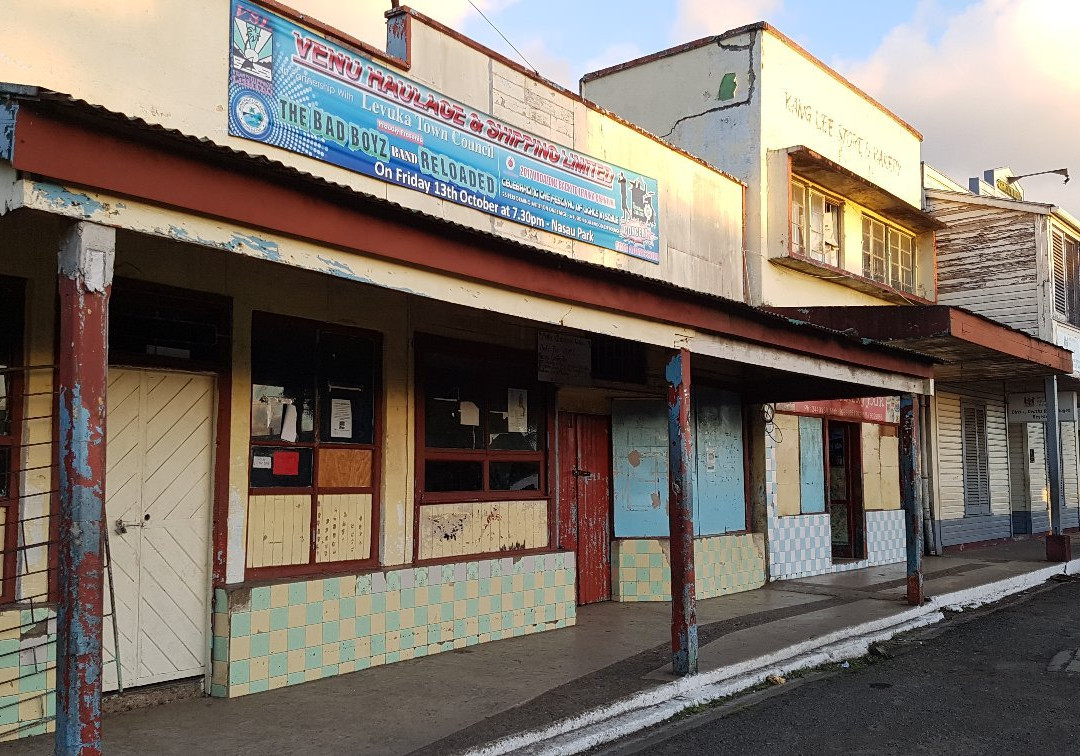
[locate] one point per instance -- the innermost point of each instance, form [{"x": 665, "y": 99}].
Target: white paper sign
[
  {"x": 517, "y": 412},
  {"x": 262, "y": 463},
  {"x": 340, "y": 418},
  {"x": 288, "y": 423},
  {"x": 469, "y": 412}
]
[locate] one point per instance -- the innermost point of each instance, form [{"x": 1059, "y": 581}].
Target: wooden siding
[
  {"x": 1018, "y": 473},
  {"x": 1070, "y": 473},
  {"x": 986, "y": 262},
  {"x": 278, "y": 530},
  {"x": 455, "y": 530},
  {"x": 955, "y": 526}
]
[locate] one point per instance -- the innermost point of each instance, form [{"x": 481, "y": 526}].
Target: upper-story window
[
  {"x": 888, "y": 255},
  {"x": 1066, "y": 276},
  {"x": 815, "y": 224}
]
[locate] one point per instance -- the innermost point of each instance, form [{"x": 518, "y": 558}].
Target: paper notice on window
[
  {"x": 470, "y": 413},
  {"x": 340, "y": 418},
  {"x": 288, "y": 423},
  {"x": 517, "y": 410},
  {"x": 262, "y": 463}
]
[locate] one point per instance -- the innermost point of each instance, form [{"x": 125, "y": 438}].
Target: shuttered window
[
  {"x": 1066, "y": 258},
  {"x": 976, "y": 459}
]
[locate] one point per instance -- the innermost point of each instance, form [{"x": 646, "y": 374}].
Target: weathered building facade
[
  {"x": 362, "y": 355},
  {"x": 836, "y": 235}
]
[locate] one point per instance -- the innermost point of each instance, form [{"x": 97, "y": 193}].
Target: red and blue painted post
[
  {"x": 911, "y": 494},
  {"x": 85, "y": 281},
  {"x": 684, "y": 636}
]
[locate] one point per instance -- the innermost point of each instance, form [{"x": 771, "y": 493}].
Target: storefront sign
[
  {"x": 877, "y": 409},
  {"x": 293, "y": 89},
  {"x": 562, "y": 358},
  {"x": 1031, "y": 407}
]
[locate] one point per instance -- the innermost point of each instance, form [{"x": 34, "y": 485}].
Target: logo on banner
[{"x": 252, "y": 115}]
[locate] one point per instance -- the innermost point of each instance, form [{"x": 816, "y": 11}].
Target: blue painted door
[
  {"x": 719, "y": 483},
  {"x": 640, "y": 464}
]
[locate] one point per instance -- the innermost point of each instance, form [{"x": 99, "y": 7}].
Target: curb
[{"x": 623, "y": 717}]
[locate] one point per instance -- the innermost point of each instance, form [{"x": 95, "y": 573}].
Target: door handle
[{"x": 122, "y": 525}]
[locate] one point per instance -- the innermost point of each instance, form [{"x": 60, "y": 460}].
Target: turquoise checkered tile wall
[{"x": 640, "y": 568}]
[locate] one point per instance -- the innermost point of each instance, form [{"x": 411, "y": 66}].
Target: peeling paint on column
[
  {"x": 911, "y": 495},
  {"x": 684, "y": 636}
]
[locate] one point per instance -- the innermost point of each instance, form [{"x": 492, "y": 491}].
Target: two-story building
[
  {"x": 836, "y": 235},
  {"x": 365, "y": 355},
  {"x": 1017, "y": 262}
]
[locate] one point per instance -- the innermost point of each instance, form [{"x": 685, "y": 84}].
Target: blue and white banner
[{"x": 293, "y": 89}]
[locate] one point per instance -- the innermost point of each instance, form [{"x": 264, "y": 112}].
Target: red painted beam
[{"x": 299, "y": 206}]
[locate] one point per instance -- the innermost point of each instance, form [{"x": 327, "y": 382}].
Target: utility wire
[{"x": 493, "y": 26}]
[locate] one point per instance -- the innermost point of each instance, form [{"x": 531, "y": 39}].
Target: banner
[
  {"x": 293, "y": 89},
  {"x": 878, "y": 409}
]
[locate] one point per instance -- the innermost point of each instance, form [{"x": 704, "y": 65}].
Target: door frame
[
  {"x": 856, "y": 513},
  {"x": 569, "y": 500}
]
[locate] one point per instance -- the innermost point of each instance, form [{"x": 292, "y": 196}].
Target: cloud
[
  {"x": 700, "y": 18},
  {"x": 996, "y": 84},
  {"x": 364, "y": 19}
]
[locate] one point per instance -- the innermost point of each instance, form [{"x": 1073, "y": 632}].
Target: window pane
[
  {"x": 514, "y": 476},
  {"x": 515, "y": 419},
  {"x": 798, "y": 218},
  {"x": 347, "y": 397},
  {"x": 5, "y": 470},
  {"x": 5, "y": 411},
  {"x": 453, "y": 405},
  {"x": 283, "y": 381},
  {"x": 452, "y": 475},
  {"x": 280, "y": 467}
]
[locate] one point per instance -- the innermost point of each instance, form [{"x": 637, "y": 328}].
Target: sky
[{"x": 988, "y": 82}]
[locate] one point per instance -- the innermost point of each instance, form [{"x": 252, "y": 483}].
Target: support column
[
  {"x": 1058, "y": 546},
  {"x": 911, "y": 493},
  {"x": 85, "y": 281},
  {"x": 684, "y": 638}
]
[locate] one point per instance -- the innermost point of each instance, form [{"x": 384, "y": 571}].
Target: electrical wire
[{"x": 505, "y": 39}]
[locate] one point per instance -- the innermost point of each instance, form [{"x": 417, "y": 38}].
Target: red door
[{"x": 585, "y": 501}]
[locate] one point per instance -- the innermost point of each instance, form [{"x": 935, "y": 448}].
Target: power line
[{"x": 493, "y": 26}]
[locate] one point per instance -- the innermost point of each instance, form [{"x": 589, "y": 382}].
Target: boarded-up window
[{"x": 976, "y": 459}]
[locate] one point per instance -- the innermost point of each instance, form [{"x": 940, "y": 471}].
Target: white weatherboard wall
[
  {"x": 700, "y": 210},
  {"x": 782, "y": 99}
]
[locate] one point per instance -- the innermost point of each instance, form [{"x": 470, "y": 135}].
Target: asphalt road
[{"x": 983, "y": 682}]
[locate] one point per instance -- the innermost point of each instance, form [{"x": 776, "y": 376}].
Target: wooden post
[
  {"x": 911, "y": 494},
  {"x": 85, "y": 282},
  {"x": 684, "y": 639}
]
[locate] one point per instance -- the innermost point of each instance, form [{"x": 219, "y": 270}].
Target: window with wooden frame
[
  {"x": 482, "y": 426},
  {"x": 976, "y": 458},
  {"x": 11, "y": 395},
  {"x": 888, "y": 255},
  {"x": 815, "y": 224},
  {"x": 315, "y": 447},
  {"x": 1066, "y": 254}
]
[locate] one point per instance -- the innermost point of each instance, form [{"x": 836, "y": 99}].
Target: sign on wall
[
  {"x": 562, "y": 358},
  {"x": 876, "y": 409},
  {"x": 295, "y": 90},
  {"x": 1030, "y": 407}
]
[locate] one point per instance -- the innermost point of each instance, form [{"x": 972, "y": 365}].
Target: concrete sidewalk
[{"x": 573, "y": 686}]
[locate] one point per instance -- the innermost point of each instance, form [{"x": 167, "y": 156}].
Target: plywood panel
[
  {"x": 455, "y": 530},
  {"x": 811, "y": 466},
  {"x": 345, "y": 468},
  {"x": 343, "y": 530},
  {"x": 279, "y": 529},
  {"x": 786, "y": 431}
]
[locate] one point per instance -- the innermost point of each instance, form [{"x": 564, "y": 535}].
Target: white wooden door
[{"x": 159, "y": 482}]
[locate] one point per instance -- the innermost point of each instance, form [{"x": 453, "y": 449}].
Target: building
[
  {"x": 366, "y": 355},
  {"x": 1014, "y": 261},
  {"x": 837, "y": 236}
]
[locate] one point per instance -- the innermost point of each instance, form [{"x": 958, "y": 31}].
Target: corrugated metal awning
[{"x": 970, "y": 347}]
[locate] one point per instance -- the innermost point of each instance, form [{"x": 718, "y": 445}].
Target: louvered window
[
  {"x": 1066, "y": 277},
  {"x": 976, "y": 459}
]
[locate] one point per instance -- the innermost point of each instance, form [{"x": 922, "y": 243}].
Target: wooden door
[
  {"x": 585, "y": 501},
  {"x": 158, "y": 501},
  {"x": 845, "y": 491}
]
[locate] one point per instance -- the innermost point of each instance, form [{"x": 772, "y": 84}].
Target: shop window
[
  {"x": 1066, "y": 277},
  {"x": 976, "y": 459},
  {"x": 815, "y": 224},
  {"x": 314, "y": 444},
  {"x": 484, "y": 424},
  {"x": 11, "y": 392},
  {"x": 161, "y": 326},
  {"x": 888, "y": 255}
]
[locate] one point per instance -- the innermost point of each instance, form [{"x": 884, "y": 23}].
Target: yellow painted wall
[
  {"x": 788, "y": 492},
  {"x": 455, "y": 530}
]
